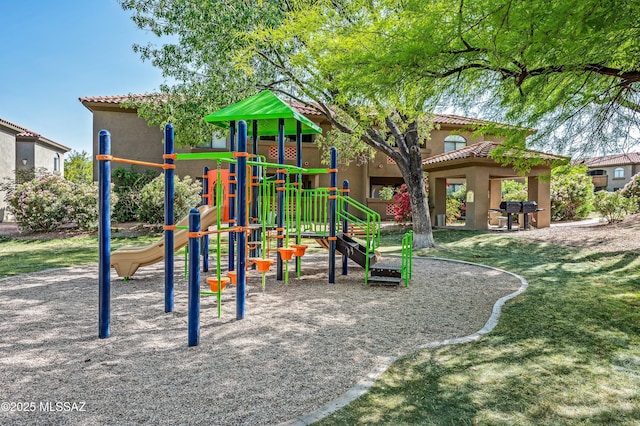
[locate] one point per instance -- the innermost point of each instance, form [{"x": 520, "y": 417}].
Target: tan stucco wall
[
  {"x": 482, "y": 178},
  {"x": 130, "y": 137},
  {"x": 615, "y": 184},
  {"x": 7, "y": 164}
]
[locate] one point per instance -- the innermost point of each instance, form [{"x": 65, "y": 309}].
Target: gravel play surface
[{"x": 301, "y": 345}]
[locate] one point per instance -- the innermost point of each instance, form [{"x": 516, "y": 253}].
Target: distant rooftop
[
  {"x": 24, "y": 133},
  {"x": 613, "y": 160},
  {"x": 480, "y": 150}
]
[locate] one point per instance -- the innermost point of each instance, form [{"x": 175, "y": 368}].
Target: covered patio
[{"x": 484, "y": 177}]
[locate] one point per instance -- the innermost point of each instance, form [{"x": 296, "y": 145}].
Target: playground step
[
  {"x": 385, "y": 271},
  {"x": 384, "y": 281}
]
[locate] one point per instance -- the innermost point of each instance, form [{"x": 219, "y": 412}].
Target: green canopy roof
[{"x": 267, "y": 109}]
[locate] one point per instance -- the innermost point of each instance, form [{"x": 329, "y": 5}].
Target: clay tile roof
[
  {"x": 613, "y": 160},
  {"x": 459, "y": 120},
  {"x": 115, "y": 100},
  {"x": 303, "y": 108},
  {"x": 479, "y": 150},
  {"x": 22, "y": 131}
]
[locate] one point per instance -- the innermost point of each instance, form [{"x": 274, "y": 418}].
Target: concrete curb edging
[{"x": 365, "y": 384}]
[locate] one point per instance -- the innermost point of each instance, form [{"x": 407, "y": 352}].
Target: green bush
[
  {"x": 571, "y": 193},
  {"x": 632, "y": 190},
  {"x": 513, "y": 190},
  {"x": 187, "y": 196},
  {"x": 453, "y": 209},
  {"x": 47, "y": 203},
  {"x": 127, "y": 185},
  {"x": 614, "y": 206}
]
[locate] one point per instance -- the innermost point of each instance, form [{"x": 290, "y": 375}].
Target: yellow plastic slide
[{"x": 127, "y": 260}]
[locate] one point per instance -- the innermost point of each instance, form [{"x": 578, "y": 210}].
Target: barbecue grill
[{"x": 524, "y": 207}]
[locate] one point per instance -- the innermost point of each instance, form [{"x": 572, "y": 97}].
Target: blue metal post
[
  {"x": 104, "y": 235},
  {"x": 194, "y": 279},
  {"x": 205, "y": 201},
  {"x": 332, "y": 214},
  {"x": 280, "y": 190},
  {"x": 345, "y": 225},
  {"x": 232, "y": 195},
  {"x": 168, "y": 219},
  {"x": 241, "y": 277}
]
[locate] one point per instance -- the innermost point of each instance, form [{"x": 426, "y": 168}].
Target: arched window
[
  {"x": 453, "y": 142},
  {"x": 618, "y": 173},
  {"x": 56, "y": 163}
]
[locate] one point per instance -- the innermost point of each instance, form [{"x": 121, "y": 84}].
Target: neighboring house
[
  {"x": 612, "y": 172},
  {"x": 23, "y": 149},
  {"x": 132, "y": 138}
]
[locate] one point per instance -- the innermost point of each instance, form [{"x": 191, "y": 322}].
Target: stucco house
[
  {"x": 131, "y": 137},
  {"x": 23, "y": 149},
  {"x": 613, "y": 172}
]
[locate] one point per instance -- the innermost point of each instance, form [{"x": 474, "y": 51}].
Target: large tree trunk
[
  {"x": 413, "y": 177},
  {"x": 422, "y": 235}
]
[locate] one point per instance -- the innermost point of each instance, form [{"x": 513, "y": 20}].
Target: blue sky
[{"x": 52, "y": 55}]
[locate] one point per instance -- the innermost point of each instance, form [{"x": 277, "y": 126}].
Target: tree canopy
[
  {"x": 78, "y": 167},
  {"x": 377, "y": 69}
]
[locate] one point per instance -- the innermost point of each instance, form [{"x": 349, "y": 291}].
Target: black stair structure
[{"x": 382, "y": 275}]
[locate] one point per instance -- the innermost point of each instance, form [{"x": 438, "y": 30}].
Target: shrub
[
  {"x": 614, "y": 206},
  {"x": 512, "y": 190},
  {"x": 78, "y": 167},
  {"x": 454, "y": 209},
  {"x": 127, "y": 185},
  {"x": 571, "y": 193},
  {"x": 386, "y": 193},
  {"x": 46, "y": 203},
  {"x": 187, "y": 196},
  {"x": 403, "y": 204},
  {"x": 632, "y": 190}
]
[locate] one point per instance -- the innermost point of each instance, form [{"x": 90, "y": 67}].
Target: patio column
[
  {"x": 495, "y": 189},
  {"x": 438, "y": 199},
  {"x": 540, "y": 192},
  {"x": 477, "y": 198},
  {"x": 495, "y": 196}
]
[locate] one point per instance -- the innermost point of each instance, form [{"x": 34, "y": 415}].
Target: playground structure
[{"x": 256, "y": 210}]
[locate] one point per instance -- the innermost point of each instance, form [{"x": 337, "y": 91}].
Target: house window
[
  {"x": 56, "y": 163},
  {"x": 618, "y": 173},
  {"x": 598, "y": 172},
  {"x": 453, "y": 142},
  {"x": 216, "y": 142}
]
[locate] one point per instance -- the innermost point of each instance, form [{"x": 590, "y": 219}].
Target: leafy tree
[
  {"x": 376, "y": 70},
  {"x": 226, "y": 51},
  {"x": 571, "y": 193},
  {"x": 128, "y": 184},
  {"x": 186, "y": 196},
  {"x": 78, "y": 167},
  {"x": 614, "y": 206},
  {"x": 512, "y": 190},
  {"x": 632, "y": 190}
]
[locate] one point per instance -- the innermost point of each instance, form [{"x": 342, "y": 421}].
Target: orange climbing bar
[{"x": 136, "y": 162}]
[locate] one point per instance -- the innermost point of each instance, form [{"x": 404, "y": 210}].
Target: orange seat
[
  {"x": 213, "y": 283},
  {"x": 286, "y": 252},
  {"x": 263, "y": 264},
  {"x": 298, "y": 250},
  {"x": 233, "y": 276}
]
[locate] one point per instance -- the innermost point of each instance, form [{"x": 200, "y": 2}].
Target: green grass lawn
[
  {"x": 18, "y": 256},
  {"x": 567, "y": 351}
]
